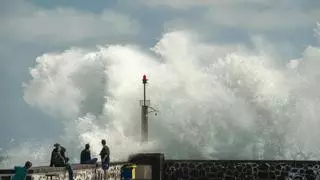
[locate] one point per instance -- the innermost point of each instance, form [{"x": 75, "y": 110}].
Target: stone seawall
[{"x": 241, "y": 170}]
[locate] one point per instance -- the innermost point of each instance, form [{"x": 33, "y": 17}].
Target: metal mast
[{"x": 144, "y": 112}]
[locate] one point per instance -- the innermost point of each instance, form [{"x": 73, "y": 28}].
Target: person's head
[
  {"x": 67, "y": 159},
  {"x": 56, "y": 145},
  {"x": 87, "y": 146},
  {"x": 28, "y": 165},
  {"x": 103, "y": 142}
]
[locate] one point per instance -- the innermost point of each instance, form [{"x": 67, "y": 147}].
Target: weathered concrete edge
[{"x": 46, "y": 169}]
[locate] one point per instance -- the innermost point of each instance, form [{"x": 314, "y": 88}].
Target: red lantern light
[{"x": 144, "y": 79}]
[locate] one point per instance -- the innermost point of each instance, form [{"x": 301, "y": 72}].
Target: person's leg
[
  {"x": 92, "y": 161},
  {"x": 105, "y": 166},
  {"x": 105, "y": 175},
  {"x": 70, "y": 172}
]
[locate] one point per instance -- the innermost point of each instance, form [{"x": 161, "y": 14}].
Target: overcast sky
[{"x": 29, "y": 28}]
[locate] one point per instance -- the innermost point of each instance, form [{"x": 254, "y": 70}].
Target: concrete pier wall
[
  {"x": 154, "y": 166},
  {"x": 244, "y": 170},
  {"x": 81, "y": 172}
]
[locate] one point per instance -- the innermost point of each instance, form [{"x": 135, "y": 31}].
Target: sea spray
[{"x": 215, "y": 101}]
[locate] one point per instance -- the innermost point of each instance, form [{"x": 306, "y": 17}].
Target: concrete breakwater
[
  {"x": 244, "y": 170},
  {"x": 80, "y": 172},
  {"x": 155, "y": 166}
]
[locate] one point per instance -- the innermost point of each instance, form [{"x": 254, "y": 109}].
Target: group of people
[
  {"x": 85, "y": 156},
  {"x": 59, "y": 159}
]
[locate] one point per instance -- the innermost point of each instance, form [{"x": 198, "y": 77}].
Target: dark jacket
[
  {"x": 105, "y": 154},
  {"x": 85, "y": 156}
]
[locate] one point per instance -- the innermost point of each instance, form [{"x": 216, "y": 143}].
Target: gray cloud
[
  {"x": 254, "y": 16},
  {"x": 188, "y": 4},
  {"x": 266, "y": 19},
  {"x": 64, "y": 25}
]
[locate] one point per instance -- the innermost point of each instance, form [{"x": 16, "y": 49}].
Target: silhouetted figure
[
  {"x": 85, "y": 156},
  {"x": 105, "y": 155},
  {"x": 21, "y": 172},
  {"x": 58, "y": 156},
  {"x": 69, "y": 169}
]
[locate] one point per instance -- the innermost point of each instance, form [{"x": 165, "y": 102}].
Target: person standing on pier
[
  {"x": 21, "y": 172},
  {"x": 105, "y": 158},
  {"x": 105, "y": 155}
]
